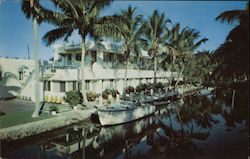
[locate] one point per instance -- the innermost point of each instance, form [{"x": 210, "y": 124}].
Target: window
[
  {"x": 120, "y": 57},
  {"x": 62, "y": 86},
  {"x": 112, "y": 84},
  {"x": 87, "y": 85},
  {"x": 79, "y": 85},
  {"x": 69, "y": 57},
  {"x": 46, "y": 85},
  {"x": 108, "y": 57},
  {"x": 78, "y": 57},
  {"x": 20, "y": 73},
  {"x": 74, "y": 85}
]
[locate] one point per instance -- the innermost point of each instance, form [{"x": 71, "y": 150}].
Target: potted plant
[{"x": 53, "y": 109}]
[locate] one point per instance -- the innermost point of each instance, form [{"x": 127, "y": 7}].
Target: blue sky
[{"x": 16, "y": 32}]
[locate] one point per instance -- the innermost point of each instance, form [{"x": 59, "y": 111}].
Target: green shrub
[
  {"x": 108, "y": 92},
  {"x": 130, "y": 89},
  {"x": 138, "y": 88},
  {"x": 91, "y": 96},
  {"x": 158, "y": 85},
  {"x": 73, "y": 98},
  {"x": 143, "y": 87},
  {"x": 114, "y": 92},
  {"x": 53, "y": 108}
]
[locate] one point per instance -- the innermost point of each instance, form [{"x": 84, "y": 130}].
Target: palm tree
[
  {"x": 181, "y": 45},
  {"x": 33, "y": 10},
  {"x": 130, "y": 33},
  {"x": 233, "y": 54},
  {"x": 203, "y": 66},
  {"x": 236, "y": 47},
  {"x": 155, "y": 35},
  {"x": 83, "y": 16}
]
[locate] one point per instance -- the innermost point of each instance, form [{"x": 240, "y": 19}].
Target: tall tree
[
  {"x": 83, "y": 16},
  {"x": 233, "y": 54},
  {"x": 155, "y": 35},
  {"x": 181, "y": 44},
  {"x": 130, "y": 33},
  {"x": 33, "y": 10}
]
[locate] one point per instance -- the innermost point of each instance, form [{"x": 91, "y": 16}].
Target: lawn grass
[{"x": 17, "y": 118}]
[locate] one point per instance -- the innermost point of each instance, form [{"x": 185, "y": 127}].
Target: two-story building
[{"x": 104, "y": 68}]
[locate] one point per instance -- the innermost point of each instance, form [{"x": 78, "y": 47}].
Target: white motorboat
[{"x": 124, "y": 112}]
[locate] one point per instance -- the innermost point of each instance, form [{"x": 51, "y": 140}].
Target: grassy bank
[
  {"x": 17, "y": 118},
  {"x": 41, "y": 124}
]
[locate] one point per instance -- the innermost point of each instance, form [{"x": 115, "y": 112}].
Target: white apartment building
[{"x": 104, "y": 68}]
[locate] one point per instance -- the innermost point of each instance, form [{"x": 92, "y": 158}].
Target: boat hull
[{"x": 118, "y": 116}]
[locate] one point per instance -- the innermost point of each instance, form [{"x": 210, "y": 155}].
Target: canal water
[{"x": 210, "y": 126}]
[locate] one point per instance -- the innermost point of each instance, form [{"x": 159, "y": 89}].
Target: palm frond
[
  {"x": 229, "y": 16},
  {"x": 55, "y": 34}
]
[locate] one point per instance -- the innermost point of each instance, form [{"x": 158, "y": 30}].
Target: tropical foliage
[
  {"x": 33, "y": 10},
  {"x": 130, "y": 32},
  {"x": 232, "y": 56},
  {"x": 155, "y": 35},
  {"x": 181, "y": 44},
  {"x": 84, "y": 17},
  {"x": 199, "y": 68},
  {"x": 73, "y": 98}
]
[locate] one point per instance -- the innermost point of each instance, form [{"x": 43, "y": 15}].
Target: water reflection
[
  {"x": 197, "y": 126},
  {"x": 113, "y": 140}
]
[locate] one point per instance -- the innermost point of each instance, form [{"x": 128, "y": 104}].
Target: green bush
[
  {"x": 158, "y": 85},
  {"x": 73, "y": 98},
  {"x": 138, "y": 88},
  {"x": 91, "y": 96},
  {"x": 114, "y": 92},
  {"x": 108, "y": 92},
  {"x": 130, "y": 89},
  {"x": 53, "y": 108},
  {"x": 143, "y": 87}
]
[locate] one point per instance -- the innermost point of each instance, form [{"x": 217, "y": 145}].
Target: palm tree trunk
[
  {"x": 125, "y": 77},
  {"x": 179, "y": 77},
  {"x": 37, "y": 84},
  {"x": 84, "y": 95},
  {"x": 155, "y": 67},
  {"x": 171, "y": 77},
  {"x": 172, "y": 66},
  {"x": 233, "y": 96}
]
